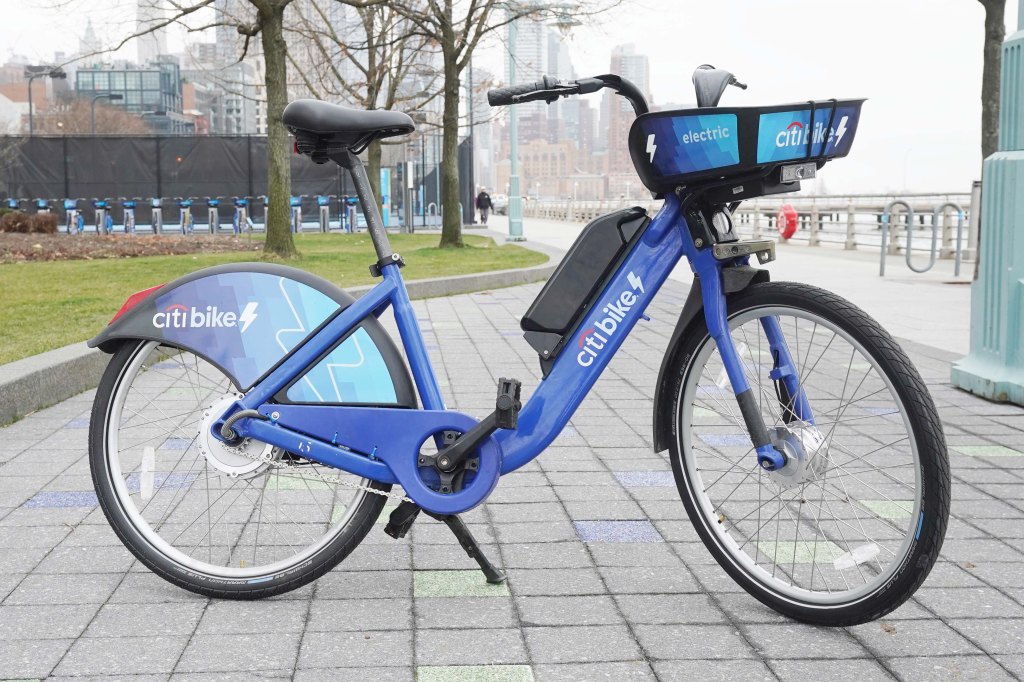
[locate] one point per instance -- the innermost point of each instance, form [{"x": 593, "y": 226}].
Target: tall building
[
  {"x": 618, "y": 116},
  {"x": 559, "y": 67},
  {"x": 89, "y": 43},
  {"x": 152, "y": 90},
  {"x": 484, "y": 149},
  {"x": 46, "y": 93},
  {"x": 151, "y": 45},
  {"x": 532, "y": 60},
  {"x": 229, "y": 14}
]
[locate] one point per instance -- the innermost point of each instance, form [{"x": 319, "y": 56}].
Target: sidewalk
[
  {"x": 584, "y": 600},
  {"x": 924, "y": 308}
]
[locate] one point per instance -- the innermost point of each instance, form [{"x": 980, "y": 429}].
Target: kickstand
[
  {"x": 401, "y": 521},
  {"x": 468, "y": 542}
]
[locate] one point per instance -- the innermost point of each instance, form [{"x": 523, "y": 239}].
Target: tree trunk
[
  {"x": 995, "y": 32},
  {"x": 279, "y": 240},
  {"x": 451, "y": 225}
]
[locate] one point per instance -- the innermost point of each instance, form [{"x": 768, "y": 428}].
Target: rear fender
[
  {"x": 734, "y": 279},
  {"x": 245, "y": 318}
]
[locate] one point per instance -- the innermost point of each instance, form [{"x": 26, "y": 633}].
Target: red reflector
[
  {"x": 133, "y": 301},
  {"x": 295, "y": 146}
]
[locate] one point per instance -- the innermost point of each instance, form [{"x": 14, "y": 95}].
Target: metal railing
[{"x": 851, "y": 221}]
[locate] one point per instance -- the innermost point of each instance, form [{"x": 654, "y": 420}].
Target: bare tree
[
  {"x": 995, "y": 31},
  {"x": 457, "y": 27},
  {"x": 76, "y": 117},
  {"x": 383, "y": 63},
  {"x": 263, "y": 19}
]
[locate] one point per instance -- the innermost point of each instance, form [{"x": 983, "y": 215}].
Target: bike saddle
[{"x": 322, "y": 127}]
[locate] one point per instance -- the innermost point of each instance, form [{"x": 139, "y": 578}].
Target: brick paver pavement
[{"x": 607, "y": 580}]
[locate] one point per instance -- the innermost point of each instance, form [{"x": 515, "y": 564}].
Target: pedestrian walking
[{"x": 484, "y": 204}]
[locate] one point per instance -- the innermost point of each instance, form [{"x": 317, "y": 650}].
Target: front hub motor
[{"x": 805, "y": 450}]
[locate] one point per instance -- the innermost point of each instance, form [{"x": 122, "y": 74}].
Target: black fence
[
  {"x": 109, "y": 167},
  {"x": 178, "y": 166}
]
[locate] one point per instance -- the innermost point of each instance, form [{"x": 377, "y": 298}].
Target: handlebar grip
[{"x": 500, "y": 97}]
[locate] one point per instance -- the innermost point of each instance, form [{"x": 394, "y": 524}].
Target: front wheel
[
  {"x": 853, "y": 523},
  {"x": 237, "y": 522}
]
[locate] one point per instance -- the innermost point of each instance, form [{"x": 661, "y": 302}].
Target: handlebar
[
  {"x": 549, "y": 89},
  {"x": 528, "y": 92}
]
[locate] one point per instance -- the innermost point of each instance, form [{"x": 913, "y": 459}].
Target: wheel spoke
[
  {"x": 204, "y": 505},
  {"x": 827, "y": 506}
]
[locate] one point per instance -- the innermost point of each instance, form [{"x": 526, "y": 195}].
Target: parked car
[{"x": 500, "y": 203}]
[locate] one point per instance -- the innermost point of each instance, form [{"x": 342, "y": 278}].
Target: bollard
[
  {"x": 894, "y": 229},
  {"x": 851, "y": 224},
  {"x": 946, "y": 249},
  {"x": 757, "y": 222},
  {"x": 815, "y": 237}
]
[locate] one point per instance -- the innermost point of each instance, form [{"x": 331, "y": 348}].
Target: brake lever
[{"x": 741, "y": 86}]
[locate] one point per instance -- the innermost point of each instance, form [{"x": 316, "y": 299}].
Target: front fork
[{"x": 792, "y": 398}]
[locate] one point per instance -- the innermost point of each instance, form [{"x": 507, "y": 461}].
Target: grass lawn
[{"x": 46, "y": 305}]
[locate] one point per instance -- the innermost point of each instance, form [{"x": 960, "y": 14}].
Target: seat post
[{"x": 378, "y": 235}]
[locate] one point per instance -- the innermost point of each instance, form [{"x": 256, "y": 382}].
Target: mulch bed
[{"x": 19, "y": 248}]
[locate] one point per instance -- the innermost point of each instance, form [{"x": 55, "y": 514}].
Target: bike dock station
[{"x": 141, "y": 215}]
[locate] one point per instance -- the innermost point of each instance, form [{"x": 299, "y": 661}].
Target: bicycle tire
[
  {"x": 138, "y": 535},
  {"x": 726, "y": 534}
]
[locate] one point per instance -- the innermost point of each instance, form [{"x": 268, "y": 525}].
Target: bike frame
[{"x": 382, "y": 443}]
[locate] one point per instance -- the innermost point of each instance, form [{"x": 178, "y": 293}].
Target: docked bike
[{"x": 254, "y": 420}]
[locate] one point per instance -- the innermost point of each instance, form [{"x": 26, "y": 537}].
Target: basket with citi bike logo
[{"x": 254, "y": 419}]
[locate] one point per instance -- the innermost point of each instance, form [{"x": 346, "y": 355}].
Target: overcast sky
[{"x": 918, "y": 62}]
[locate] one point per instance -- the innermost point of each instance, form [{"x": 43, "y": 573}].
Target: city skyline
[{"x": 897, "y": 148}]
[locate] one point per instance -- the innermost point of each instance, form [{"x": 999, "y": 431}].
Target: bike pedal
[
  {"x": 507, "y": 404},
  {"x": 401, "y": 519}
]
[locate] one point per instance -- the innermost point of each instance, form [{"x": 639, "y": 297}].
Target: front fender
[
  {"x": 245, "y": 318},
  {"x": 734, "y": 279}
]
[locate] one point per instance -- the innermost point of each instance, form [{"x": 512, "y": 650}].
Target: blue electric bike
[{"x": 255, "y": 420}]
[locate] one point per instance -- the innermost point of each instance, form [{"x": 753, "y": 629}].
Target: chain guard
[{"x": 393, "y": 436}]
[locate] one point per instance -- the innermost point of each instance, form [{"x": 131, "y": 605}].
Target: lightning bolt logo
[
  {"x": 248, "y": 316},
  {"x": 635, "y": 282},
  {"x": 841, "y": 130},
  {"x": 651, "y": 147}
]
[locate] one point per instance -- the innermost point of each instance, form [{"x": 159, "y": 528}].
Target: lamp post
[
  {"x": 111, "y": 96},
  {"x": 32, "y": 73},
  {"x": 564, "y": 20},
  {"x": 994, "y": 369},
  {"x": 515, "y": 200},
  {"x": 143, "y": 115}
]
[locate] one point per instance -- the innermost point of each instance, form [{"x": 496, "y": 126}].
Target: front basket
[{"x": 673, "y": 148}]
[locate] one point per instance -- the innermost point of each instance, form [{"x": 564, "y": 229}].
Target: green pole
[
  {"x": 515, "y": 199},
  {"x": 994, "y": 369}
]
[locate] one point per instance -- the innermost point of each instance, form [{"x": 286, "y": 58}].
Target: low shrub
[
  {"x": 43, "y": 223},
  {"x": 15, "y": 221}
]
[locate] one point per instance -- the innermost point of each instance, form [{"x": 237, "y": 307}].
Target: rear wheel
[
  {"x": 851, "y": 526},
  {"x": 244, "y": 522}
]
